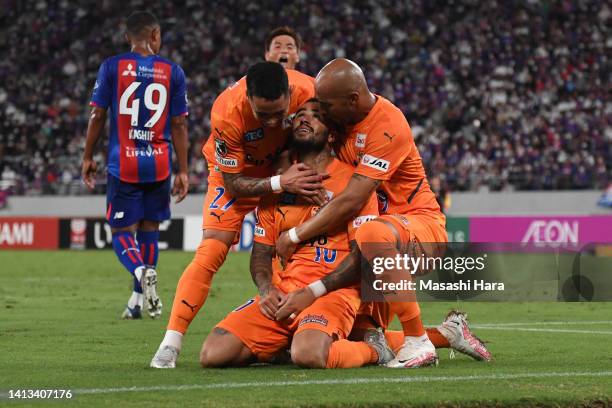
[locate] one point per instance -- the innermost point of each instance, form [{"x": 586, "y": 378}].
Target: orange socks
[
  {"x": 438, "y": 340},
  {"x": 413, "y": 326},
  {"x": 350, "y": 354},
  {"x": 395, "y": 339},
  {"x": 192, "y": 288}
]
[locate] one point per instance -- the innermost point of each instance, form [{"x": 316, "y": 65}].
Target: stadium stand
[{"x": 501, "y": 95}]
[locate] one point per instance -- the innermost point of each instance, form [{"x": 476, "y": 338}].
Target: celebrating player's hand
[
  {"x": 285, "y": 248},
  {"x": 294, "y": 303},
  {"x": 318, "y": 199},
  {"x": 180, "y": 187},
  {"x": 270, "y": 302},
  {"x": 88, "y": 173},
  {"x": 301, "y": 179}
]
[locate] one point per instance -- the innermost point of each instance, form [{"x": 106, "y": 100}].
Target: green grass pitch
[{"x": 60, "y": 329}]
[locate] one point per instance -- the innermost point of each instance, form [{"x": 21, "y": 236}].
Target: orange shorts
[
  {"x": 429, "y": 230},
  {"x": 221, "y": 211},
  {"x": 374, "y": 314},
  {"x": 333, "y": 314}
]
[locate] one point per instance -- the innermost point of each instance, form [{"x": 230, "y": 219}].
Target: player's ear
[
  {"x": 127, "y": 38},
  {"x": 155, "y": 34},
  {"x": 330, "y": 138},
  {"x": 353, "y": 98}
]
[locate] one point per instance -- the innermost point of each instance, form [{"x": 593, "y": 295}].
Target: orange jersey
[
  {"x": 238, "y": 142},
  {"x": 381, "y": 147},
  {"x": 321, "y": 255}
]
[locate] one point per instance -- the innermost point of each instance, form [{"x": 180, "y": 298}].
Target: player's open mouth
[
  {"x": 283, "y": 60},
  {"x": 304, "y": 128}
]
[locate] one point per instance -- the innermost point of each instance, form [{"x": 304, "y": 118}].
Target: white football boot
[
  {"x": 165, "y": 357},
  {"x": 456, "y": 330},
  {"x": 152, "y": 302},
  {"x": 375, "y": 338},
  {"x": 415, "y": 353}
]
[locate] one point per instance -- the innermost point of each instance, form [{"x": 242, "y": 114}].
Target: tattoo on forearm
[
  {"x": 261, "y": 266},
  {"x": 243, "y": 186},
  {"x": 375, "y": 183},
  {"x": 347, "y": 273}
]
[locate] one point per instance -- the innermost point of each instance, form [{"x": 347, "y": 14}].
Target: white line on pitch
[
  {"x": 531, "y": 329},
  {"x": 558, "y": 323},
  {"x": 351, "y": 381}
]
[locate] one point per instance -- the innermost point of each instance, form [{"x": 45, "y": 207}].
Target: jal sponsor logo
[
  {"x": 139, "y": 134},
  {"x": 16, "y": 233},
  {"x": 375, "y": 163},
  {"x": 552, "y": 231},
  {"x": 360, "y": 140},
  {"x": 143, "y": 152}
]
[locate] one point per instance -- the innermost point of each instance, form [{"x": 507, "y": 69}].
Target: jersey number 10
[{"x": 157, "y": 108}]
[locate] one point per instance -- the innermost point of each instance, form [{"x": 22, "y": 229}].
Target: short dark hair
[
  {"x": 284, "y": 30},
  {"x": 267, "y": 80},
  {"x": 139, "y": 20}
]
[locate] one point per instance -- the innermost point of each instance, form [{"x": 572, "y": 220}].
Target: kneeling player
[{"x": 251, "y": 333}]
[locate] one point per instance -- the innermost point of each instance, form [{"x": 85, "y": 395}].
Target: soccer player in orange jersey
[
  {"x": 283, "y": 46},
  {"x": 376, "y": 140},
  {"x": 250, "y": 126},
  {"x": 317, "y": 335}
]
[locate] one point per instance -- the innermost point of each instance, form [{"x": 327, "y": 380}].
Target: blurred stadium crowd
[{"x": 500, "y": 94}]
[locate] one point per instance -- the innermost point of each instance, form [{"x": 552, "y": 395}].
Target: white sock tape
[
  {"x": 293, "y": 236},
  {"x": 318, "y": 288},
  {"x": 276, "y": 184}
]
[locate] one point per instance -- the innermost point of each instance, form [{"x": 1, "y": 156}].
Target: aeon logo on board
[{"x": 552, "y": 232}]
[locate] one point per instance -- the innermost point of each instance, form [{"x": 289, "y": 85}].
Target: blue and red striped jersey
[{"x": 143, "y": 93}]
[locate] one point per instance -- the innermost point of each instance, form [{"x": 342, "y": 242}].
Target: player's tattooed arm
[
  {"x": 243, "y": 186},
  {"x": 97, "y": 119},
  {"x": 347, "y": 273},
  {"x": 297, "y": 179},
  {"x": 270, "y": 297},
  {"x": 261, "y": 267}
]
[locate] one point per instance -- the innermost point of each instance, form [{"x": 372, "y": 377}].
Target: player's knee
[
  {"x": 374, "y": 232},
  {"x": 214, "y": 351},
  {"x": 224, "y": 349},
  {"x": 147, "y": 225},
  {"x": 306, "y": 356}
]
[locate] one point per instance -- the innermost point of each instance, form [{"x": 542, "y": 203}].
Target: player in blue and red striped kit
[{"x": 147, "y": 100}]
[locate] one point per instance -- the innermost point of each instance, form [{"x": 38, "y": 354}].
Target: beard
[{"x": 312, "y": 145}]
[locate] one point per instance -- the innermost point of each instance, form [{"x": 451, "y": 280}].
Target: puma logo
[
  {"x": 388, "y": 136},
  {"x": 281, "y": 212},
  {"x": 188, "y": 305},
  {"x": 216, "y": 215}
]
